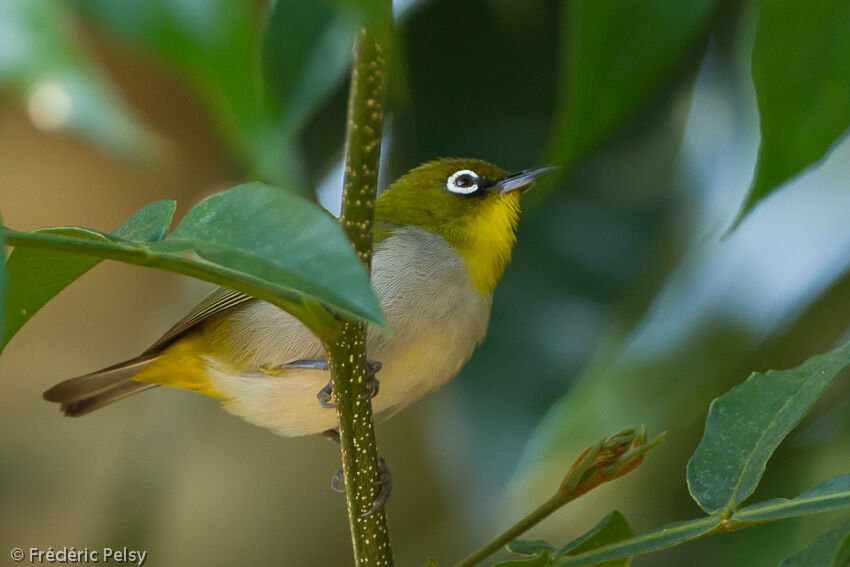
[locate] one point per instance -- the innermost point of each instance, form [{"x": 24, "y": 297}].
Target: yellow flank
[
  {"x": 489, "y": 240},
  {"x": 181, "y": 366}
]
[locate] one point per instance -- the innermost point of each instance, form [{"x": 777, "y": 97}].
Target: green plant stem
[
  {"x": 525, "y": 524},
  {"x": 347, "y": 351}
]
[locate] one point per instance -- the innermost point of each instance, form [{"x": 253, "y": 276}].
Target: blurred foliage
[
  {"x": 831, "y": 549},
  {"x": 582, "y": 323},
  {"x": 803, "y": 86},
  {"x": 610, "y": 64},
  {"x": 42, "y": 60},
  {"x": 216, "y": 45}
]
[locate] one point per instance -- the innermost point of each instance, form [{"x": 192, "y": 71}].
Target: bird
[{"x": 443, "y": 235}]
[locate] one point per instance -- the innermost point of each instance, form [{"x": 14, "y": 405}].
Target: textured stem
[{"x": 347, "y": 351}]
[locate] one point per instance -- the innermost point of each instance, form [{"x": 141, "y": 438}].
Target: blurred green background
[{"x": 626, "y": 301}]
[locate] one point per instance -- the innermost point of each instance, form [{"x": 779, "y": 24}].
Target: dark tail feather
[{"x": 84, "y": 394}]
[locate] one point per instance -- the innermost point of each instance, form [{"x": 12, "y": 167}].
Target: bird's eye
[{"x": 464, "y": 182}]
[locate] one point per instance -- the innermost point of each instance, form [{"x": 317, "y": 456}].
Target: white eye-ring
[{"x": 464, "y": 182}]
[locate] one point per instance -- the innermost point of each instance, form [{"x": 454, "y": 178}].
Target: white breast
[{"x": 436, "y": 315}]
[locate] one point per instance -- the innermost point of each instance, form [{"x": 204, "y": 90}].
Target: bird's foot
[
  {"x": 385, "y": 480},
  {"x": 331, "y": 435},
  {"x": 372, "y": 384},
  {"x": 325, "y": 395},
  {"x": 338, "y": 482}
]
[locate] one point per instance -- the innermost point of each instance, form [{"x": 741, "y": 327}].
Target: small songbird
[{"x": 443, "y": 234}]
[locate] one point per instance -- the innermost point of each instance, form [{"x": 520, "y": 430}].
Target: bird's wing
[{"x": 217, "y": 302}]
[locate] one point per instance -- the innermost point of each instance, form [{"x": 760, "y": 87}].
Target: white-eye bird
[{"x": 443, "y": 234}]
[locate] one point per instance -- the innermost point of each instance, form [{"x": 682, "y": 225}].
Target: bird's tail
[{"x": 84, "y": 394}]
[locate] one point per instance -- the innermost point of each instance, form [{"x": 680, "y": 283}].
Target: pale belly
[{"x": 437, "y": 320}]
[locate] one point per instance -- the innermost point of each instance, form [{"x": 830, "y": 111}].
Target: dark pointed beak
[{"x": 522, "y": 180}]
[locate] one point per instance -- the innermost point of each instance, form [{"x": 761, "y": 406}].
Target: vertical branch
[{"x": 347, "y": 351}]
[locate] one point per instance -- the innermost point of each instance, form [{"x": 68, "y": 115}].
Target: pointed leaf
[
  {"x": 612, "y": 529},
  {"x": 37, "y": 275},
  {"x": 832, "y": 494},
  {"x": 831, "y": 549},
  {"x": 541, "y": 560},
  {"x": 745, "y": 426},
  {"x": 617, "y": 54},
  {"x": 662, "y": 538},
  {"x": 148, "y": 224},
  {"x": 802, "y": 86},
  {"x": 530, "y": 547}
]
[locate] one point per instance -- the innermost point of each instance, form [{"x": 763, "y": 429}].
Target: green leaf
[
  {"x": 662, "y": 538},
  {"x": 746, "y": 424},
  {"x": 831, "y": 549},
  {"x": 829, "y": 495},
  {"x": 541, "y": 560},
  {"x": 278, "y": 237},
  {"x": 530, "y": 547},
  {"x": 62, "y": 88},
  {"x": 37, "y": 275},
  {"x": 306, "y": 52},
  {"x": 802, "y": 87},
  {"x": 612, "y": 529},
  {"x": 148, "y": 224},
  {"x": 616, "y": 54},
  {"x": 254, "y": 238}
]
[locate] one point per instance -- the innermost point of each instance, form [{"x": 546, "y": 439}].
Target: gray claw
[
  {"x": 338, "y": 482},
  {"x": 372, "y": 384},
  {"x": 325, "y": 396},
  {"x": 386, "y": 482}
]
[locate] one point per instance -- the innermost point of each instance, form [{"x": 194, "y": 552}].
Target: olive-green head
[{"x": 472, "y": 204}]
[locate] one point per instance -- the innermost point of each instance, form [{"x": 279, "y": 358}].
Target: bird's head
[{"x": 472, "y": 204}]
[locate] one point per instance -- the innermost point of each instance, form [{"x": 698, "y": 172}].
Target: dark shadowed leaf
[
  {"x": 831, "y": 549},
  {"x": 801, "y": 70},
  {"x": 746, "y": 424},
  {"x": 306, "y": 52},
  {"x": 216, "y": 45},
  {"x": 37, "y": 275},
  {"x": 616, "y": 54}
]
